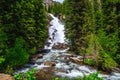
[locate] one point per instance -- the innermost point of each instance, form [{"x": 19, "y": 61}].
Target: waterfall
[{"x": 56, "y": 33}]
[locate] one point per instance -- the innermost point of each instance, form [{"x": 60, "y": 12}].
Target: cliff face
[{"x": 48, "y": 2}]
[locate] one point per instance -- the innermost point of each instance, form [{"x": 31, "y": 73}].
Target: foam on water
[
  {"x": 71, "y": 74},
  {"x": 56, "y": 32},
  {"x": 86, "y": 69}
]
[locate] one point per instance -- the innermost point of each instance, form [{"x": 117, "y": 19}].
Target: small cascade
[{"x": 56, "y": 33}]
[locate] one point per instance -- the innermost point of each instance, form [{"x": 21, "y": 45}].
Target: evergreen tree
[
  {"x": 77, "y": 25},
  {"x": 92, "y": 27},
  {"x": 25, "y": 18},
  {"x": 16, "y": 56},
  {"x": 55, "y": 8}
]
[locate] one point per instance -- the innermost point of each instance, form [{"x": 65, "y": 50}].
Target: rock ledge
[{"x": 6, "y": 77}]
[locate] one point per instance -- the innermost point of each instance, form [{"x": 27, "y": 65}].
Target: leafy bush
[
  {"x": 89, "y": 62},
  {"x": 32, "y": 51},
  {"x": 106, "y": 62},
  {"x": 1, "y": 60},
  {"x": 3, "y": 39},
  {"x": 16, "y": 56},
  {"x": 56, "y": 78},
  {"x": 26, "y": 76},
  {"x": 60, "y": 79},
  {"x": 118, "y": 58}
]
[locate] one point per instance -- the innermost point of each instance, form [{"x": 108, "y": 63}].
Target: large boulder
[
  {"x": 117, "y": 70},
  {"x": 43, "y": 51},
  {"x": 6, "y": 77},
  {"x": 48, "y": 63},
  {"x": 33, "y": 58},
  {"x": 76, "y": 60},
  {"x": 45, "y": 74},
  {"x": 60, "y": 46},
  {"x": 48, "y": 73},
  {"x": 36, "y": 56}
]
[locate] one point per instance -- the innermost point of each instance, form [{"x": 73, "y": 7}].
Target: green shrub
[
  {"x": 60, "y": 79},
  {"x": 90, "y": 62},
  {"x": 32, "y": 51},
  {"x": 16, "y": 56},
  {"x": 56, "y": 78},
  {"x": 1, "y": 60},
  {"x": 118, "y": 58},
  {"x": 106, "y": 62},
  {"x": 26, "y": 76},
  {"x": 3, "y": 39}
]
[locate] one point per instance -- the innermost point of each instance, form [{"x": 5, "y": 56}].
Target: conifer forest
[{"x": 83, "y": 32}]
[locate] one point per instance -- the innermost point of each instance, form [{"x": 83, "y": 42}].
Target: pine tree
[
  {"x": 92, "y": 27},
  {"x": 76, "y": 25},
  {"x": 26, "y": 19}
]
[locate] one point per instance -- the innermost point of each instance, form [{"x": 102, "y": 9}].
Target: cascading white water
[
  {"x": 61, "y": 58},
  {"x": 56, "y": 32}
]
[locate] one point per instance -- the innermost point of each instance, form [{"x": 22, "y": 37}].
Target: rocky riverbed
[{"x": 59, "y": 63}]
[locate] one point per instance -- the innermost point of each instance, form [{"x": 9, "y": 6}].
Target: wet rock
[
  {"x": 54, "y": 56},
  {"x": 117, "y": 70},
  {"x": 35, "y": 57},
  {"x": 76, "y": 60},
  {"x": 39, "y": 56},
  {"x": 39, "y": 63},
  {"x": 32, "y": 62},
  {"x": 43, "y": 51},
  {"x": 48, "y": 63},
  {"x": 6, "y": 77},
  {"x": 45, "y": 74},
  {"x": 27, "y": 65},
  {"x": 68, "y": 55},
  {"x": 48, "y": 73},
  {"x": 46, "y": 50},
  {"x": 60, "y": 46}
]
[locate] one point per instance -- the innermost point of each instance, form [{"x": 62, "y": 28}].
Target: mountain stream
[{"x": 62, "y": 63}]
